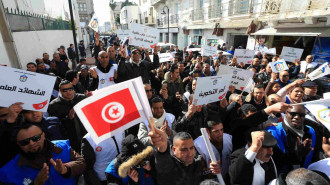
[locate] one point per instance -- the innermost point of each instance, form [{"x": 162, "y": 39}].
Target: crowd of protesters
[{"x": 258, "y": 138}]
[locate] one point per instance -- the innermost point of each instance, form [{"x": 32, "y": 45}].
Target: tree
[
  {"x": 112, "y": 5},
  {"x": 127, "y": 3}
]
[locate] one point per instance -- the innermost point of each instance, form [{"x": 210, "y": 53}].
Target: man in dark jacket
[
  {"x": 73, "y": 77},
  {"x": 254, "y": 165},
  {"x": 61, "y": 66},
  {"x": 193, "y": 120},
  {"x": 266, "y": 75},
  {"x": 136, "y": 67},
  {"x": 257, "y": 97},
  {"x": 72, "y": 53},
  {"x": 62, "y": 107},
  {"x": 81, "y": 48},
  {"x": 177, "y": 165}
]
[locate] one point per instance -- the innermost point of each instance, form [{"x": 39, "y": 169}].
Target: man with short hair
[
  {"x": 221, "y": 145},
  {"x": 257, "y": 97},
  {"x": 283, "y": 78},
  {"x": 295, "y": 140},
  {"x": 62, "y": 107},
  {"x": 266, "y": 75},
  {"x": 253, "y": 164},
  {"x": 41, "y": 161},
  {"x": 307, "y": 64},
  {"x": 173, "y": 93},
  {"x": 45, "y": 58},
  {"x": 61, "y": 66},
  {"x": 82, "y": 62},
  {"x": 105, "y": 73},
  {"x": 31, "y": 66},
  {"x": 182, "y": 71},
  {"x": 177, "y": 165},
  {"x": 136, "y": 67},
  {"x": 73, "y": 77},
  {"x": 41, "y": 68},
  {"x": 163, "y": 121},
  {"x": 207, "y": 70},
  {"x": 255, "y": 64}
]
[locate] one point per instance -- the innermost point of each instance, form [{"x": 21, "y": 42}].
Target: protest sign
[
  {"x": 121, "y": 34},
  {"x": 249, "y": 86},
  {"x": 33, "y": 89},
  {"x": 245, "y": 56},
  {"x": 240, "y": 77},
  {"x": 114, "y": 109},
  {"x": 320, "y": 72},
  {"x": 321, "y": 112},
  {"x": 209, "y": 51},
  {"x": 94, "y": 23},
  {"x": 291, "y": 54},
  {"x": 271, "y": 51},
  {"x": 143, "y": 36},
  {"x": 163, "y": 57},
  {"x": 211, "y": 89},
  {"x": 279, "y": 66}
]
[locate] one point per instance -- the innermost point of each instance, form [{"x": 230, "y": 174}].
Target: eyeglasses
[
  {"x": 135, "y": 53},
  {"x": 143, "y": 163},
  {"x": 285, "y": 76},
  {"x": 294, "y": 114},
  {"x": 26, "y": 141},
  {"x": 67, "y": 89}
]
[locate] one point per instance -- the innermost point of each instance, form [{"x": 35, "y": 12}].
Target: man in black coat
[
  {"x": 253, "y": 164},
  {"x": 62, "y": 107},
  {"x": 136, "y": 67}
]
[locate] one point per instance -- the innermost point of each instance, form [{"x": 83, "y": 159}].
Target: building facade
[{"x": 86, "y": 11}]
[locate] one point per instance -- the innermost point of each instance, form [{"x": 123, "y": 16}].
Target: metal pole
[
  {"x": 74, "y": 36},
  {"x": 168, "y": 25}
]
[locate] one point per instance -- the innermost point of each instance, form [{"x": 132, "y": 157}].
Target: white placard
[
  {"x": 211, "y": 89},
  {"x": 291, "y": 54},
  {"x": 279, "y": 66},
  {"x": 271, "y": 51},
  {"x": 33, "y": 89},
  {"x": 143, "y": 36},
  {"x": 163, "y": 57},
  {"x": 320, "y": 72},
  {"x": 321, "y": 112},
  {"x": 245, "y": 56},
  {"x": 240, "y": 77},
  {"x": 209, "y": 51},
  {"x": 121, "y": 34}
]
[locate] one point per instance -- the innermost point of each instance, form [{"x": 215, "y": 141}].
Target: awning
[
  {"x": 288, "y": 32},
  {"x": 244, "y": 23},
  {"x": 201, "y": 26}
]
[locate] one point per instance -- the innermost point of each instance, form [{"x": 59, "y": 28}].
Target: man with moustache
[{"x": 253, "y": 164}]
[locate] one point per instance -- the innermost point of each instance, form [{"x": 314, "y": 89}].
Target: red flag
[
  {"x": 111, "y": 112},
  {"x": 39, "y": 106}
]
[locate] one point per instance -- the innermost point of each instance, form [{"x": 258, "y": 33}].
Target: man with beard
[
  {"x": 295, "y": 140},
  {"x": 221, "y": 145},
  {"x": 257, "y": 97},
  {"x": 41, "y": 161}
]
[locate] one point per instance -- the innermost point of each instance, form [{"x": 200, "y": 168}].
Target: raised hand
[
  {"x": 257, "y": 138},
  {"x": 59, "y": 166},
  {"x": 14, "y": 110},
  {"x": 42, "y": 176}
]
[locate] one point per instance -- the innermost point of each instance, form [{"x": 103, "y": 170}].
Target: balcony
[
  {"x": 239, "y": 7},
  {"x": 197, "y": 15},
  {"x": 149, "y": 20},
  {"x": 174, "y": 19},
  {"x": 214, "y": 12},
  {"x": 157, "y": 2}
]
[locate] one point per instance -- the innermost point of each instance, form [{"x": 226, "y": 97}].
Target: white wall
[
  {"x": 4, "y": 60},
  {"x": 31, "y": 45}
]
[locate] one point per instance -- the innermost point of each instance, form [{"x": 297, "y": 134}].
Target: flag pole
[
  {"x": 311, "y": 102},
  {"x": 211, "y": 153}
]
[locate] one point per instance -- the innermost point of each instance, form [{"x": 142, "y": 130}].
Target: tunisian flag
[{"x": 114, "y": 109}]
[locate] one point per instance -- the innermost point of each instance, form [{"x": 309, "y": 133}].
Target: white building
[
  {"x": 195, "y": 20},
  {"x": 129, "y": 14}
]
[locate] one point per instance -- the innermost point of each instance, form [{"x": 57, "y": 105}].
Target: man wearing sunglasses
[
  {"x": 62, "y": 107},
  {"x": 136, "y": 67},
  {"x": 41, "y": 161},
  {"x": 295, "y": 140},
  {"x": 283, "y": 78}
]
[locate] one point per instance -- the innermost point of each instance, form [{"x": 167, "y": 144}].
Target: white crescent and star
[{"x": 113, "y": 112}]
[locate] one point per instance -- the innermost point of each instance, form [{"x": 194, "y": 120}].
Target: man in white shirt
[
  {"x": 253, "y": 164},
  {"x": 307, "y": 64}
]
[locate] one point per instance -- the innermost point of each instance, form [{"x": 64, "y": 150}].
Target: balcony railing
[
  {"x": 214, "y": 11},
  {"x": 197, "y": 14},
  {"x": 174, "y": 19}
]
